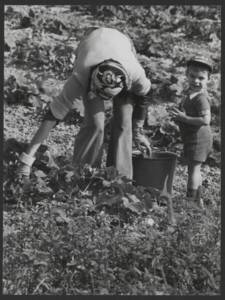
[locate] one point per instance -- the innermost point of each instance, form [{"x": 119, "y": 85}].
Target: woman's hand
[{"x": 141, "y": 141}]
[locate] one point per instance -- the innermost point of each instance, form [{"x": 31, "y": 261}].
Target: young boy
[
  {"x": 194, "y": 118},
  {"x": 106, "y": 68}
]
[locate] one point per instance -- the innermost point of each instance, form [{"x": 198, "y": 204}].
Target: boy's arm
[
  {"x": 204, "y": 119},
  {"x": 203, "y": 116},
  {"x": 199, "y": 121}
]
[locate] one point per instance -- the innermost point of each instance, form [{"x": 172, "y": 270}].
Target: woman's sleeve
[
  {"x": 63, "y": 103},
  {"x": 141, "y": 85},
  {"x": 140, "y": 107}
]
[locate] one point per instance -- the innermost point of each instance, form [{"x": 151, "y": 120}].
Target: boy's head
[{"x": 198, "y": 73}]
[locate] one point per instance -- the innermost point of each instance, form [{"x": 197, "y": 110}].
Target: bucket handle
[{"x": 142, "y": 151}]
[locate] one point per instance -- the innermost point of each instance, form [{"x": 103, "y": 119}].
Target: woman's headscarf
[{"x": 108, "y": 79}]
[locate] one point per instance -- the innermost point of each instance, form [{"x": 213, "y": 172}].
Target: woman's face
[{"x": 197, "y": 78}]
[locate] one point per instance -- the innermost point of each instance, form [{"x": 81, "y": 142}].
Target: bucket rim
[{"x": 160, "y": 153}]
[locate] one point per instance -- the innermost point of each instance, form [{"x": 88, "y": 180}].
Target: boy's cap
[{"x": 201, "y": 60}]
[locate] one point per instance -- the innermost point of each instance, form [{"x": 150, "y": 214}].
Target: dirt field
[{"x": 101, "y": 236}]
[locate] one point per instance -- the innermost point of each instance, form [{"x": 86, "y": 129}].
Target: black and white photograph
[{"x": 112, "y": 150}]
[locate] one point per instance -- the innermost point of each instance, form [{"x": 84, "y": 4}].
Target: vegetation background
[{"x": 102, "y": 235}]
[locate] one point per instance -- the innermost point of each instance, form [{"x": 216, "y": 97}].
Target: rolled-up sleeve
[
  {"x": 63, "y": 103},
  {"x": 141, "y": 85}
]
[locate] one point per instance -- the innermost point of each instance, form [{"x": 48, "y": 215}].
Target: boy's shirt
[{"x": 194, "y": 105}]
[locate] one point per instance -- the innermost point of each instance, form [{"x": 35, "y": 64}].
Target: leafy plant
[{"x": 101, "y": 234}]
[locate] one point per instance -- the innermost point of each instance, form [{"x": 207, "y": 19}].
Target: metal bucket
[{"x": 156, "y": 171}]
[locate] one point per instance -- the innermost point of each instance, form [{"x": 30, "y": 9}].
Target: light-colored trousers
[{"x": 89, "y": 141}]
